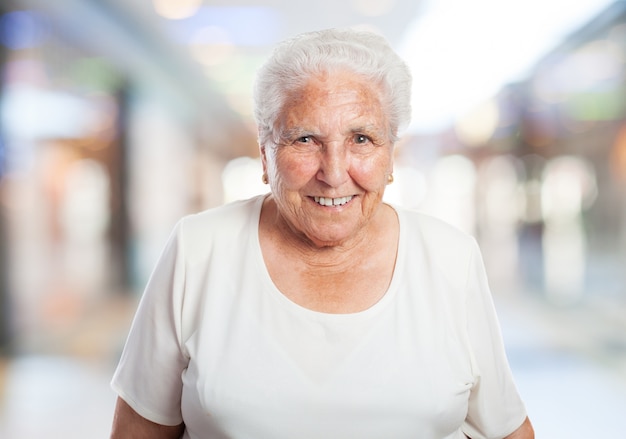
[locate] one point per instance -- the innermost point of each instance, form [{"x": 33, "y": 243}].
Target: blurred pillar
[
  {"x": 120, "y": 220},
  {"x": 5, "y": 309}
]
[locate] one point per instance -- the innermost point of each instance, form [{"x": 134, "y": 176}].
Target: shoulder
[
  {"x": 435, "y": 232},
  {"x": 442, "y": 247},
  {"x": 223, "y": 226},
  {"x": 228, "y": 217}
]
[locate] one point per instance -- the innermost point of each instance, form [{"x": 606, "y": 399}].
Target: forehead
[{"x": 334, "y": 96}]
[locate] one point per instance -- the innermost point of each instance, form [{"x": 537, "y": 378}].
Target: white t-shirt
[{"x": 216, "y": 345}]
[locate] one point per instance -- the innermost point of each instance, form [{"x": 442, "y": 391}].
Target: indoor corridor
[{"x": 118, "y": 118}]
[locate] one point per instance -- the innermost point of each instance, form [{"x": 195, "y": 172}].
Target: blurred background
[{"x": 118, "y": 117}]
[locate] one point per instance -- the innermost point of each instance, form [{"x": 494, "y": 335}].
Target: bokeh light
[{"x": 176, "y": 9}]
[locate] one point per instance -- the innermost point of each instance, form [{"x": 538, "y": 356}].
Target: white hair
[{"x": 296, "y": 60}]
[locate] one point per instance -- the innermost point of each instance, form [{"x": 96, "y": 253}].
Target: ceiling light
[{"x": 176, "y": 9}]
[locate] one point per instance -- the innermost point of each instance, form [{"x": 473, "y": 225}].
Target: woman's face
[{"x": 329, "y": 170}]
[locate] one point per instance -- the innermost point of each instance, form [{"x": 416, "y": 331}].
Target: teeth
[{"x": 325, "y": 201}]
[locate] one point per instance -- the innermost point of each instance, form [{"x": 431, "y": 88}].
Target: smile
[{"x": 325, "y": 201}]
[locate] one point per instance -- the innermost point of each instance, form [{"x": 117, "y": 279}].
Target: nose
[{"x": 334, "y": 164}]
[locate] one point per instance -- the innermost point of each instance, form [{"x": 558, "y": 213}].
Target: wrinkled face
[{"x": 329, "y": 170}]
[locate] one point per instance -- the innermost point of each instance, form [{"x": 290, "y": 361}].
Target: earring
[
  {"x": 390, "y": 179},
  {"x": 264, "y": 178}
]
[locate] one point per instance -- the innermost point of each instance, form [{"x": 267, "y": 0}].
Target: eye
[
  {"x": 304, "y": 139},
  {"x": 360, "y": 139}
]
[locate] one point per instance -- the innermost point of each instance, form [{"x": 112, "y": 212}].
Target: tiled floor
[
  {"x": 60, "y": 388},
  {"x": 572, "y": 387},
  {"x": 56, "y": 397},
  {"x": 573, "y": 382}
]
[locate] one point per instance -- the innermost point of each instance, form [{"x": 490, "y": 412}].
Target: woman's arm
[
  {"x": 128, "y": 424},
  {"x": 524, "y": 432}
]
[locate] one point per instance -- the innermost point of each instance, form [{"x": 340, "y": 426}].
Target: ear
[
  {"x": 262, "y": 150},
  {"x": 263, "y": 156}
]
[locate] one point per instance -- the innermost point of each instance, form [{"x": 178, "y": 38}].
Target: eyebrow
[
  {"x": 294, "y": 133},
  {"x": 368, "y": 128}
]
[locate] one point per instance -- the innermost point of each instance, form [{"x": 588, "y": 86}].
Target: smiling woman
[
  {"x": 338, "y": 161},
  {"x": 318, "y": 310}
]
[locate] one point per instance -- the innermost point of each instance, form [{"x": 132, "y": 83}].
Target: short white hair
[{"x": 298, "y": 59}]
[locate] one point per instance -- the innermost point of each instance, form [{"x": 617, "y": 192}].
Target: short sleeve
[
  {"x": 149, "y": 374},
  {"x": 495, "y": 407}
]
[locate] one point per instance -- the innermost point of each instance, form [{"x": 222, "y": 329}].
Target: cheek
[
  {"x": 372, "y": 174},
  {"x": 294, "y": 171}
]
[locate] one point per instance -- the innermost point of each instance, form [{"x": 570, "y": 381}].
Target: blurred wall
[
  {"x": 112, "y": 132},
  {"x": 110, "y": 135}
]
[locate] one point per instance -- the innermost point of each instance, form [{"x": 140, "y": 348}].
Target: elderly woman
[{"x": 318, "y": 311}]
